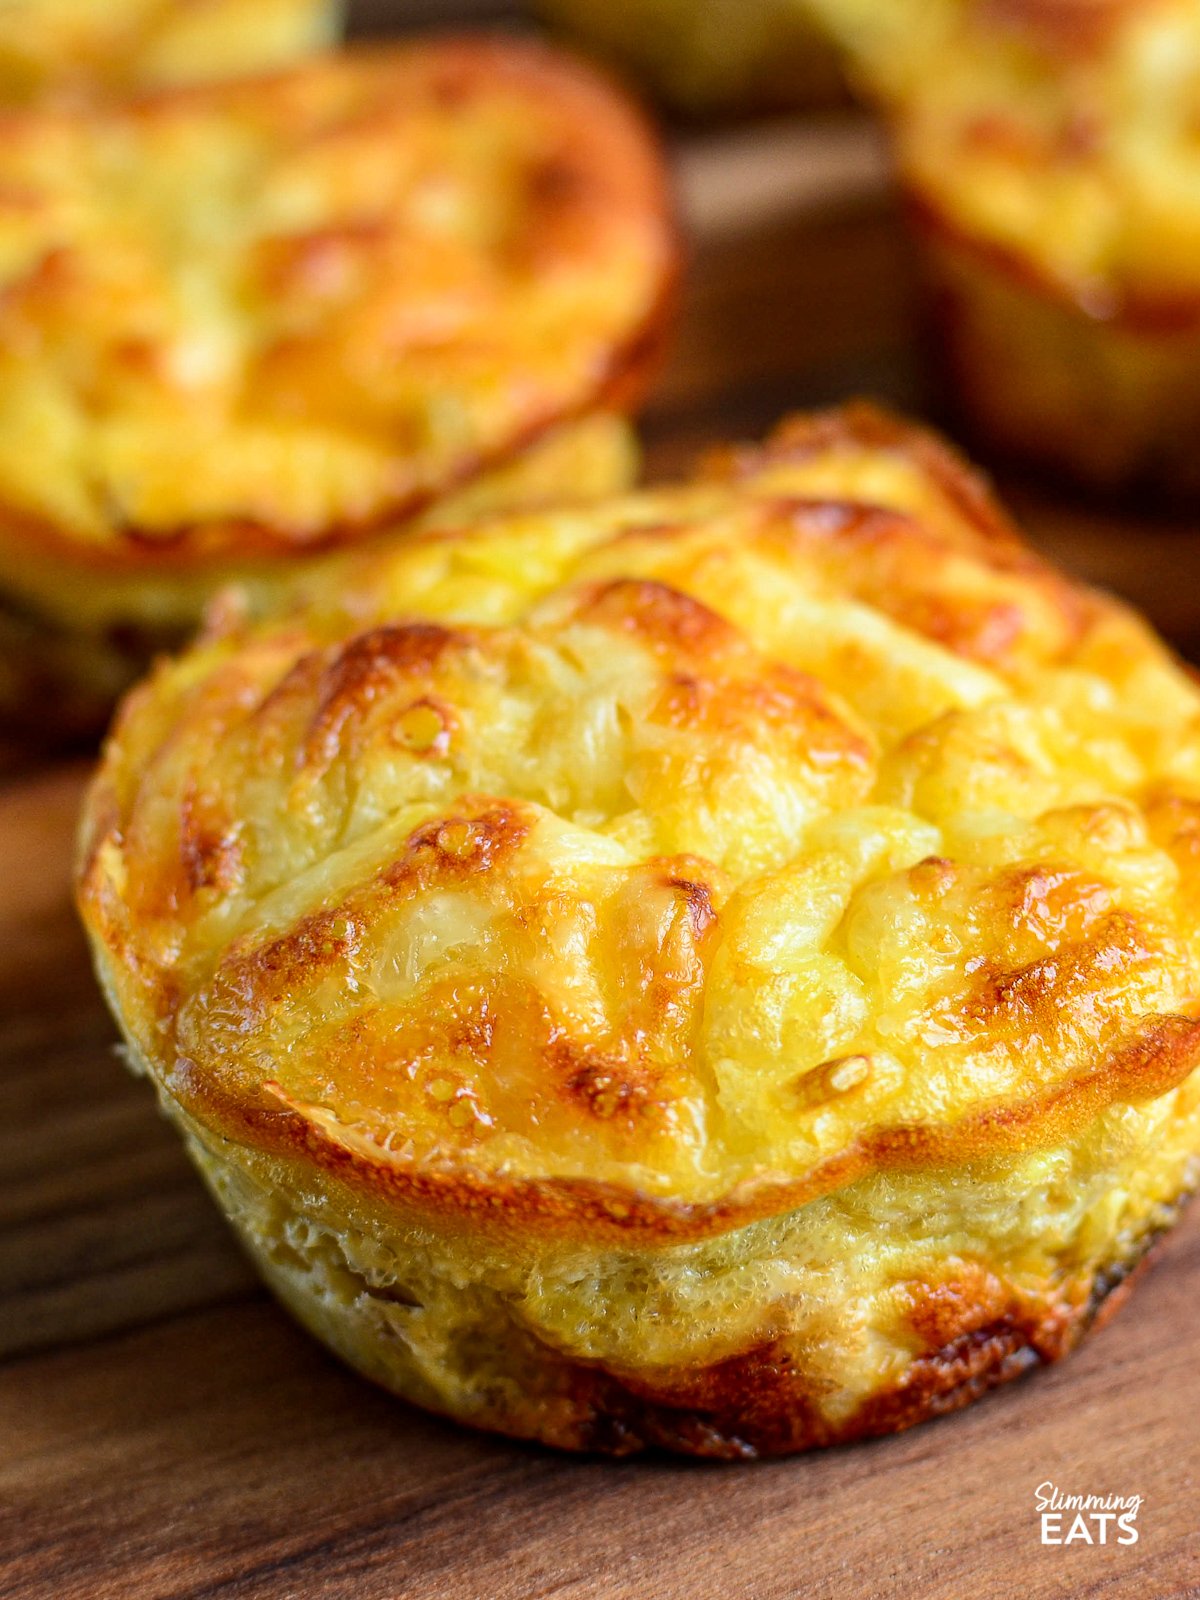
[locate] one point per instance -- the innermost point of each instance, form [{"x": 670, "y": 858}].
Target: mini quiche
[
  {"x": 718, "y": 969},
  {"x": 245, "y": 326},
  {"x": 1049, "y": 151},
  {"x": 113, "y": 46}
]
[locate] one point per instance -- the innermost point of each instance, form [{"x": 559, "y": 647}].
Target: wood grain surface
[{"x": 166, "y": 1432}]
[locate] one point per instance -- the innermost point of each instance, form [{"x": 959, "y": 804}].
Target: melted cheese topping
[
  {"x": 755, "y": 832},
  {"x": 54, "y": 46},
  {"x": 270, "y": 316},
  {"x": 1063, "y": 132}
]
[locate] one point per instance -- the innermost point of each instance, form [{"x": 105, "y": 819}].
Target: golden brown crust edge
[
  {"x": 755, "y": 1405},
  {"x": 1019, "y": 356},
  {"x": 758, "y": 1404},
  {"x": 59, "y": 683},
  {"x": 1161, "y": 1058}
]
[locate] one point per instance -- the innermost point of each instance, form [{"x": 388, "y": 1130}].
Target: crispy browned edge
[
  {"x": 1125, "y": 308},
  {"x": 614, "y": 135},
  {"x": 1167, "y": 1050},
  {"x": 1149, "y": 1063},
  {"x": 756, "y": 1404},
  {"x": 866, "y": 425},
  {"x": 1158, "y": 470}
]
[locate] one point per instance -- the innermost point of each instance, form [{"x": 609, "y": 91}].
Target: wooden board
[{"x": 166, "y": 1432}]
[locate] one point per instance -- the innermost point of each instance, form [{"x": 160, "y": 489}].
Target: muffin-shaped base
[
  {"x": 1111, "y": 399},
  {"x": 897, "y": 1300}
]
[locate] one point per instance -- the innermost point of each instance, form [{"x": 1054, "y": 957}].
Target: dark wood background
[{"x": 166, "y": 1432}]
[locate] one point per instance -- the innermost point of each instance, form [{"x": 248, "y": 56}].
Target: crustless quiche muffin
[
  {"x": 112, "y": 46},
  {"x": 717, "y": 970},
  {"x": 245, "y": 327},
  {"x": 1049, "y": 152}
]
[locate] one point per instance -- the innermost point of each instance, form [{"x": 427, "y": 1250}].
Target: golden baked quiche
[
  {"x": 247, "y": 325},
  {"x": 719, "y": 969},
  {"x": 113, "y": 46},
  {"x": 1049, "y": 151}
]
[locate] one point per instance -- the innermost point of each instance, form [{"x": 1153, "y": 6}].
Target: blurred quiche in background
[
  {"x": 246, "y": 326},
  {"x": 73, "y": 46},
  {"x": 1050, "y": 152},
  {"x": 715, "y": 969},
  {"x": 706, "y": 57}
]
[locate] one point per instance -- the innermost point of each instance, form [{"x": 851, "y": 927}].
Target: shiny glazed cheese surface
[
  {"x": 685, "y": 858},
  {"x": 268, "y": 315},
  {"x": 1060, "y": 131}
]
